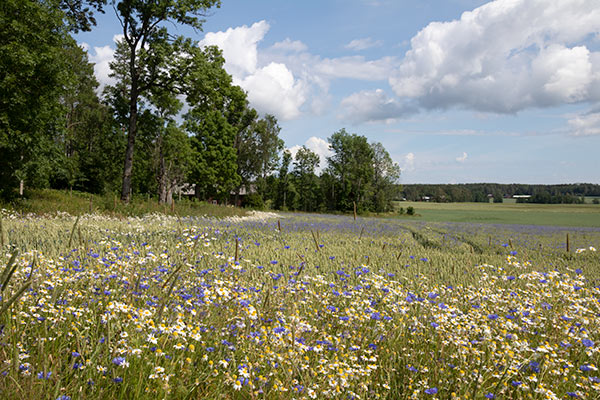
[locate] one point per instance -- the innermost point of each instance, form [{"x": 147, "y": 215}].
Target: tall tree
[
  {"x": 153, "y": 56},
  {"x": 385, "y": 176},
  {"x": 306, "y": 163},
  {"x": 283, "y": 181},
  {"x": 352, "y": 167},
  {"x": 32, "y": 76}
]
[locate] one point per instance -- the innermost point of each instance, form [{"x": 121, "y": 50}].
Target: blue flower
[
  {"x": 118, "y": 360},
  {"x": 493, "y": 316},
  {"x": 587, "y": 343},
  {"x": 432, "y": 390},
  {"x": 490, "y": 396}
]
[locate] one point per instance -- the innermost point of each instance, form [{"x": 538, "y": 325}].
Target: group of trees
[
  {"x": 173, "y": 117},
  {"x": 480, "y": 192},
  {"x": 357, "y": 173}
]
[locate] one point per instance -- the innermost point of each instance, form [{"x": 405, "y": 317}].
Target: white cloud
[
  {"x": 585, "y": 125},
  {"x": 356, "y": 67},
  {"x": 102, "y": 57},
  {"x": 505, "y": 56},
  {"x": 239, "y": 46},
  {"x": 373, "y": 106},
  {"x": 272, "y": 87},
  {"x": 462, "y": 158},
  {"x": 363, "y": 44},
  {"x": 290, "y": 45},
  {"x": 317, "y": 145},
  {"x": 408, "y": 163}
]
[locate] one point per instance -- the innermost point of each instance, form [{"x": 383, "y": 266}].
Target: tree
[
  {"x": 351, "y": 165},
  {"x": 306, "y": 163},
  {"x": 90, "y": 141},
  {"x": 153, "y": 58},
  {"x": 32, "y": 76},
  {"x": 283, "y": 182},
  {"x": 385, "y": 175}
]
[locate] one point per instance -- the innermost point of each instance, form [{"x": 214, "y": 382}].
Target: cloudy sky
[{"x": 457, "y": 91}]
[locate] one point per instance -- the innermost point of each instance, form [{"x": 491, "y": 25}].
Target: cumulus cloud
[
  {"x": 317, "y": 145},
  {"x": 462, "y": 158},
  {"x": 586, "y": 125},
  {"x": 102, "y": 57},
  {"x": 272, "y": 88},
  {"x": 373, "y": 106},
  {"x": 505, "y": 56},
  {"x": 290, "y": 45},
  {"x": 363, "y": 44},
  {"x": 408, "y": 163}
]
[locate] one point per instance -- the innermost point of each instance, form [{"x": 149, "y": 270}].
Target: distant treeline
[{"x": 483, "y": 192}]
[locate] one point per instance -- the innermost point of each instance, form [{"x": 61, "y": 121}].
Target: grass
[
  {"x": 47, "y": 201},
  {"x": 307, "y": 306},
  {"x": 576, "y": 215}
]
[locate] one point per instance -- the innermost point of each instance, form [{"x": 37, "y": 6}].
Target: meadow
[
  {"x": 296, "y": 306},
  {"x": 576, "y": 215}
]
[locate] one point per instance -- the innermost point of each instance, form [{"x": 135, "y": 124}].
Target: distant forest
[{"x": 484, "y": 192}]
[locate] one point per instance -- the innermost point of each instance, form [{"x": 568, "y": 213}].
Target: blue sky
[{"x": 457, "y": 91}]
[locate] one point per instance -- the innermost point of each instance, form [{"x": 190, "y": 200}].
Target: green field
[
  {"x": 296, "y": 306},
  {"x": 583, "y": 215}
]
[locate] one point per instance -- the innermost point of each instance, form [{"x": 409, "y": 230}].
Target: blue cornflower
[
  {"x": 41, "y": 375},
  {"x": 75, "y": 354},
  {"x": 432, "y": 390},
  {"x": 492, "y": 316},
  {"x": 517, "y": 383},
  {"x": 117, "y": 379},
  {"x": 585, "y": 368},
  {"x": 63, "y": 397},
  {"x": 118, "y": 360},
  {"x": 376, "y": 316},
  {"x": 587, "y": 343},
  {"x": 490, "y": 396}
]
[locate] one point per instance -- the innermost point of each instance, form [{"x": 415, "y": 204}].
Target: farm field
[
  {"x": 282, "y": 306},
  {"x": 508, "y": 213}
]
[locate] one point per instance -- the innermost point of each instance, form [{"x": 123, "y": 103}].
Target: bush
[
  {"x": 401, "y": 211},
  {"x": 410, "y": 211}
]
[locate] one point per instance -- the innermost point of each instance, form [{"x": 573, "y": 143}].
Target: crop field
[
  {"x": 294, "y": 306},
  {"x": 576, "y": 215}
]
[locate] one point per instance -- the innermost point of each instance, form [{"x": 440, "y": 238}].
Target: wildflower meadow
[{"x": 296, "y": 306}]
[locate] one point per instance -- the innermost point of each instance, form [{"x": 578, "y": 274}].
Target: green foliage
[
  {"x": 352, "y": 167},
  {"x": 32, "y": 76},
  {"x": 51, "y": 202},
  {"x": 149, "y": 58},
  {"x": 306, "y": 182},
  {"x": 410, "y": 210}
]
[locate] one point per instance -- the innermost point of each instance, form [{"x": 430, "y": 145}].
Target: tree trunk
[
  {"x": 133, "y": 111},
  {"x": 162, "y": 175}
]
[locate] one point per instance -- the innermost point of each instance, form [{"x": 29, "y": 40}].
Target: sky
[{"x": 457, "y": 91}]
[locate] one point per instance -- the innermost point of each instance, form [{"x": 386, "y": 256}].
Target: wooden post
[
  {"x": 115, "y": 203},
  {"x": 490, "y": 241},
  {"x": 568, "y": 244},
  {"x": 279, "y": 224},
  {"x": 1, "y": 234},
  {"x": 354, "y": 210},
  {"x": 236, "y": 249},
  {"x": 510, "y": 243}
]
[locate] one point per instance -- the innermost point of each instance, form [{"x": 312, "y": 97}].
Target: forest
[{"x": 172, "y": 121}]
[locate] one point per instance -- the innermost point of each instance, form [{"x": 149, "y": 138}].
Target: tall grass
[
  {"x": 298, "y": 307},
  {"x": 47, "y": 201}
]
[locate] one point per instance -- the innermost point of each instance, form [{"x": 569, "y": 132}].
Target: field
[
  {"x": 576, "y": 215},
  {"x": 298, "y": 306}
]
